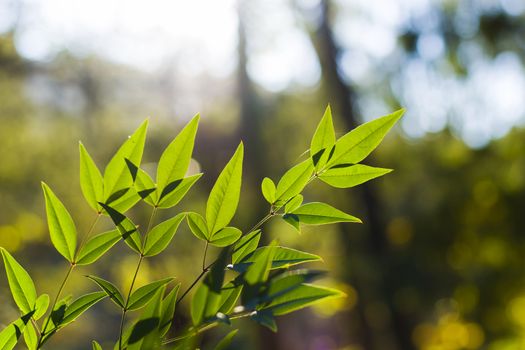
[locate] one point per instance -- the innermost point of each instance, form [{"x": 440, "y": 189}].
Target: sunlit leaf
[
  {"x": 20, "y": 283},
  {"x": 229, "y": 295},
  {"x": 176, "y": 158},
  {"x": 258, "y": 271},
  {"x": 293, "y": 204},
  {"x": 96, "y": 346},
  {"x": 9, "y": 335},
  {"x": 294, "y": 180},
  {"x": 317, "y": 213},
  {"x": 126, "y": 227},
  {"x": 30, "y": 337},
  {"x": 225, "y": 236},
  {"x": 246, "y": 245},
  {"x": 110, "y": 289},
  {"x": 282, "y": 257},
  {"x": 167, "y": 310},
  {"x": 350, "y": 176},
  {"x": 145, "y": 333},
  {"x": 41, "y": 305},
  {"x": 197, "y": 226},
  {"x": 80, "y": 305},
  {"x": 224, "y": 196},
  {"x": 268, "y": 190},
  {"x": 356, "y": 145},
  {"x": 161, "y": 235},
  {"x": 146, "y": 188},
  {"x": 61, "y": 226},
  {"x": 144, "y": 294},
  {"x": 178, "y": 190},
  {"x": 117, "y": 175},
  {"x": 96, "y": 246},
  {"x": 91, "y": 181},
  {"x": 323, "y": 140}
]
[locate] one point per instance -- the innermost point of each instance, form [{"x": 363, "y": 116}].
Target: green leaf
[
  {"x": 300, "y": 297},
  {"x": 350, "y": 176},
  {"x": 288, "y": 281},
  {"x": 145, "y": 333},
  {"x": 96, "y": 246},
  {"x": 41, "y": 305},
  {"x": 317, "y": 213},
  {"x": 144, "y": 294},
  {"x": 110, "y": 289},
  {"x": 356, "y": 145},
  {"x": 294, "y": 203},
  {"x": 282, "y": 257},
  {"x": 30, "y": 337},
  {"x": 128, "y": 230},
  {"x": 268, "y": 190},
  {"x": 20, "y": 283},
  {"x": 177, "y": 191},
  {"x": 146, "y": 188},
  {"x": 56, "y": 316},
  {"x": 9, "y": 335},
  {"x": 61, "y": 226},
  {"x": 323, "y": 140},
  {"x": 225, "y": 236},
  {"x": 167, "y": 310},
  {"x": 126, "y": 201},
  {"x": 197, "y": 226},
  {"x": 224, "y": 196},
  {"x": 226, "y": 341},
  {"x": 96, "y": 346},
  {"x": 206, "y": 300},
  {"x": 262, "y": 263},
  {"x": 246, "y": 245},
  {"x": 294, "y": 180},
  {"x": 91, "y": 181},
  {"x": 176, "y": 158},
  {"x": 161, "y": 235},
  {"x": 117, "y": 175},
  {"x": 229, "y": 295},
  {"x": 80, "y": 305},
  {"x": 265, "y": 318}
]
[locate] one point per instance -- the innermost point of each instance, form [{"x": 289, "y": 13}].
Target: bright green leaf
[
  {"x": 229, "y": 295},
  {"x": 161, "y": 235},
  {"x": 128, "y": 230},
  {"x": 144, "y": 294},
  {"x": 350, "y": 176},
  {"x": 323, "y": 140},
  {"x": 20, "y": 283},
  {"x": 294, "y": 203},
  {"x": 146, "y": 188},
  {"x": 225, "y": 236},
  {"x": 246, "y": 245},
  {"x": 226, "y": 341},
  {"x": 197, "y": 226},
  {"x": 317, "y": 213},
  {"x": 224, "y": 196},
  {"x": 80, "y": 305},
  {"x": 167, "y": 310},
  {"x": 9, "y": 335},
  {"x": 294, "y": 180},
  {"x": 282, "y": 257},
  {"x": 41, "y": 305},
  {"x": 145, "y": 333},
  {"x": 96, "y": 246},
  {"x": 268, "y": 190},
  {"x": 61, "y": 226},
  {"x": 176, "y": 158},
  {"x": 177, "y": 191},
  {"x": 91, "y": 181},
  {"x": 110, "y": 289},
  {"x": 259, "y": 270},
  {"x": 96, "y": 346},
  {"x": 356, "y": 145},
  {"x": 117, "y": 175},
  {"x": 30, "y": 337}
]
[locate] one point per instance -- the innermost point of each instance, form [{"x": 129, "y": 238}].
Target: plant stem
[
  {"x": 204, "y": 257},
  {"x": 86, "y": 236},
  {"x": 141, "y": 257}
]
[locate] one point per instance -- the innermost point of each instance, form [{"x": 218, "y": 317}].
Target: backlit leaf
[
  {"x": 177, "y": 191},
  {"x": 197, "y": 226},
  {"x": 350, "y": 176},
  {"x": 20, "y": 283},
  {"x": 144, "y": 294},
  {"x": 262, "y": 263},
  {"x": 91, "y": 181},
  {"x": 167, "y": 310},
  {"x": 294, "y": 180},
  {"x": 110, "y": 289},
  {"x": 80, "y": 305},
  {"x": 161, "y": 235},
  {"x": 246, "y": 245},
  {"x": 41, "y": 305},
  {"x": 268, "y": 190},
  {"x": 96, "y": 246},
  {"x": 323, "y": 140},
  {"x": 225, "y": 236},
  {"x": 126, "y": 227},
  {"x": 317, "y": 213}
]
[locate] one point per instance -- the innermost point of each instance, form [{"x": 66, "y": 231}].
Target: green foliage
[{"x": 265, "y": 282}]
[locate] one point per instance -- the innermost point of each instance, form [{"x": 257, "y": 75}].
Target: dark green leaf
[
  {"x": 126, "y": 227},
  {"x": 96, "y": 246},
  {"x": 117, "y": 175},
  {"x": 61, "y": 226},
  {"x": 226, "y": 341},
  {"x": 345, "y": 177},
  {"x": 224, "y": 196},
  {"x": 20, "y": 283},
  {"x": 110, "y": 289},
  {"x": 229, "y": 295},
  {"x": 177, "y": 191},
  {"x": 268, "y": 190},
  {"x": 246, "y": 245},
  {"x": 262, "y": 263},
  {"x": 265, "y": 318},
  {"x": 161, "y": 235},
  {"x": 197, "y": 225},
  {"x": 144, "y": 294},
  {"x": 294, "y": 180},
  {"x": 176, "y": 158},
  {"x": 317, "y": 213},
  {"x": 91, "y": 181},
  {"x": 167, "y": 310},
  {"x": 356, "y": 145},
  {"x": 225, "y": 236},
  {"x": 323, "y": 140},
  {"x": 80, "y": 305}
]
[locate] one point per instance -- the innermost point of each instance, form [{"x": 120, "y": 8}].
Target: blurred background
[{"x": 439, "y": 263}]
